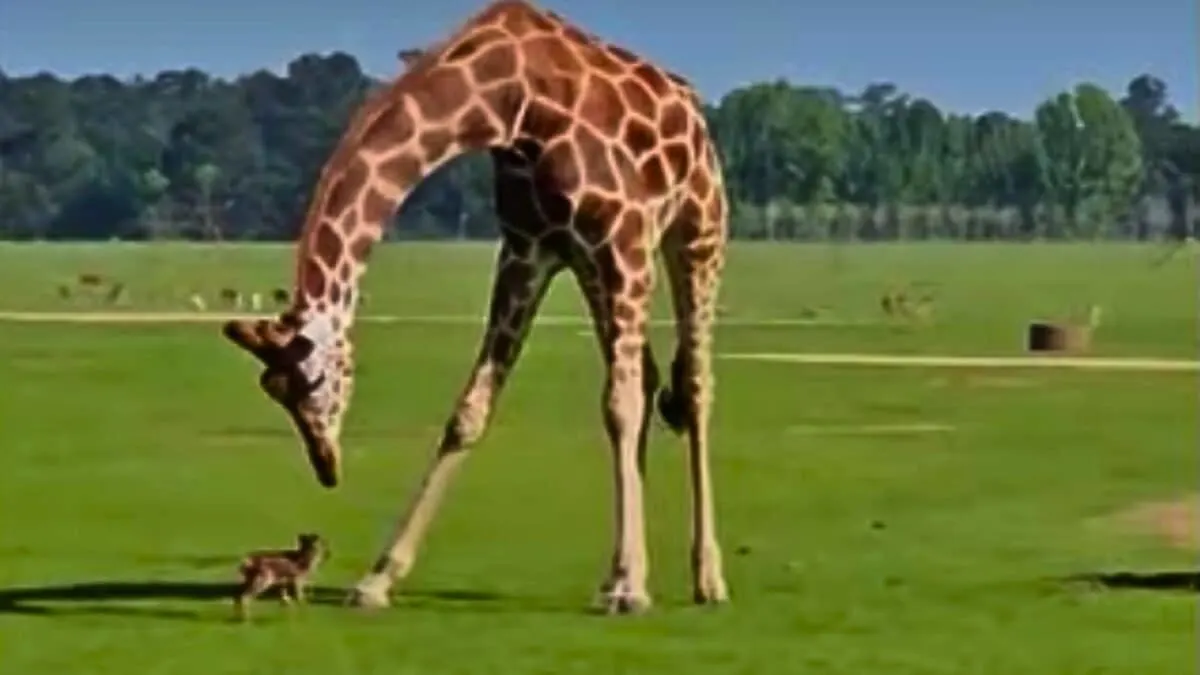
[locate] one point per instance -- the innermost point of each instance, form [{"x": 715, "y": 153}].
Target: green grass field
[{"x": 141, "y": 460}]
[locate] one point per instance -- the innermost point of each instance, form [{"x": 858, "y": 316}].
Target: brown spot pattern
[
  {"x": 497, "y": 63},
  {"x": 673, "y": 120},
  {"x": 639, "y": 138},
  {"x": 638, "y": 98},
  {"x": 545, "y": 123},
  {"x": 376, "y": 207},
  {"x": 679, "y": 160},
  {"x": 592, "y": 152},
  {"x": 548, "y": 53},
  {"x": 653, "y": 79},
  {"x": 560, "y": 169},
  {"x": 328, "y": 245},
  {"x": 435, "y": 143},
  {"x": 403, "y": 170},
  {"x": 443, "y": 92},
  {"x": 390, "y": 127},
  {"x": 602, "y": 62},
  {"x": 360, "y": 248},
  {"x": 345, "y": 188},
  {"x": 601, "y": 106},
  {"x": 654, "y": 175},
  {"x": 314, "y": 278},
  {"x": 599, "y": 209},
  {"x": 478, "y": 129}
]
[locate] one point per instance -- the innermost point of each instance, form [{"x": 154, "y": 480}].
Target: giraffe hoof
[
  {"x": 710, "y": 590},
  {"x": 621, "y": 599},
  {"x": 368, "y": 598},
  {"x": 714, "y": 595}
]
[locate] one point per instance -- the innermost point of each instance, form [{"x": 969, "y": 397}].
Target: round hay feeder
[{"x": 1052, "y": 337}]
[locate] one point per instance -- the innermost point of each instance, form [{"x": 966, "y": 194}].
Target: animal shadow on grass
[
  {"x": 114, "y": 598},
  {"x": 1148, "y": 581}
]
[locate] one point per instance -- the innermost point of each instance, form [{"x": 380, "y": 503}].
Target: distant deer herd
[
  {"x": 910, "y": 304},
  {"x": 232, "y": 298},
  {"x": 94, "y": 288}
]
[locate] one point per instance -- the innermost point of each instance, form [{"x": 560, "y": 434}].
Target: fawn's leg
[
  {"x": 252, "y": 586},
  {"x": 299, "y": 589}
]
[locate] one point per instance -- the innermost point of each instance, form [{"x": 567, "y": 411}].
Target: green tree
[{"x": 1093, "y": 156}]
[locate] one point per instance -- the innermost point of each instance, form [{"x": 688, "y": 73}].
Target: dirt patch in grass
[
  {"x": 898, "y": 429},
  {"x": 976, "y": 381},
  {"x": 1175, "y": 521}
]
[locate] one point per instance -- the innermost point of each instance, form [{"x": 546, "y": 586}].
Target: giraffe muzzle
[
  {"x": 325, "y": 463},
  {"x": 324, "y": 454}
]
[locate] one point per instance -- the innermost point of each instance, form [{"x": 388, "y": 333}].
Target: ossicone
[{"x": 408, "y": 57}]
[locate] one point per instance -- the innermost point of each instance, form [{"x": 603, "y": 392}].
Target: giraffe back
[{"x": 622, "y": 123}]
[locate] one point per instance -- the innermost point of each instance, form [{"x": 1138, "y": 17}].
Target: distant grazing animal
[
  {"x": 892, "y": 302},
  {"x": 116, "y": 293},
  {"x": 231, "y": 296},
  {"x": 898, "y": 304},
  {"x": 281, "y": 296},
  {"x": 289, "y": 569},
  {"x": 602, "y": 160},
  {"x": 197, "y": 302}
]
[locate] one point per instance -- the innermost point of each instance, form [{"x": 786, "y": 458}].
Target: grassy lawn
[{"x": 141, "y": 461}]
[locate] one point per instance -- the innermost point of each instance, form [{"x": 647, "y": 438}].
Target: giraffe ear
[{"x": 272, "y": 343}]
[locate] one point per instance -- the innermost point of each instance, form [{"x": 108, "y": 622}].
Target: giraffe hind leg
[{"x": 694, "y": 255}]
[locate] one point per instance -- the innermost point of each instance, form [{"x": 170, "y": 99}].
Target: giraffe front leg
[
  {"x": 624, "y": 591},
  {"x": 521, "y": 279},
  {"x": 619, "y": 312}
]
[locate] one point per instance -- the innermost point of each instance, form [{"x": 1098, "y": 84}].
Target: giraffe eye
[
  {"x": 288, "y": 386},
  {"x": 275, "y": 383}
]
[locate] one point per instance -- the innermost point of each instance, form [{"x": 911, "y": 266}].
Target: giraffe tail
[
  {"x": 651, "y": 383},
  {"x": 672, "y": 406}
]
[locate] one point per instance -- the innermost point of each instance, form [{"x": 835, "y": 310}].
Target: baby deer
[{"x": 288, "y": 569}]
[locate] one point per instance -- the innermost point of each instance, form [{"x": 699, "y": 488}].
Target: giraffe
[{"x": 602, "y": 160}]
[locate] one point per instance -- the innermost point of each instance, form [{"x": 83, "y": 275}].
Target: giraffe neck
[{"x": 389, "y": 148}]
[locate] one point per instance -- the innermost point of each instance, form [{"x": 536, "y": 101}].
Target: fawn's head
[{"x": 312, "y": 547}]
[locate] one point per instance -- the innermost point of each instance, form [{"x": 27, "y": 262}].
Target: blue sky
[{"x": 965, "y": 55}]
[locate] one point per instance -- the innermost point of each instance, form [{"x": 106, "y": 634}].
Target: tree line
[{"x": 184, "y": 154}]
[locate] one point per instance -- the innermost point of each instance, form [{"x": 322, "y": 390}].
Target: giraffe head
[{"x": 303, "y": 376}]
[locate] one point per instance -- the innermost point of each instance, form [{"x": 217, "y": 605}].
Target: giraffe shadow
[
  {"x": 1174, "y": 580},
  {"x": 261, "y": 434},
  {"x": 120, "y": 598}
]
